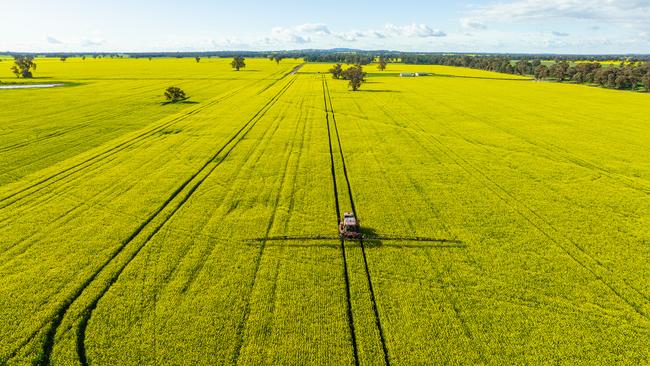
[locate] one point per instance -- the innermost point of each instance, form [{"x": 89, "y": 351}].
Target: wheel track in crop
[
  {"x": 47, "y": 229},
  {"x": 95, "y": 159},
  {"x": 291, "y": 72},
  {"x": 101, "y": 156},
  {"x": 133, "y": 90},
  {"x": 241, "y": 327},
  {"x": 32, "y": 202},
  {"x": 373, "y": 300},
  {"x": 441, "y": 145},
  {"x": 204, "y": 254},
  {"x": 346, "y": 276},
  {"x": 227, "y": 197},
  {"x": 565, "y": 153},
  {"x": 57, "y": 319},
  {"x": 186, "y": 113},
  {"x": 554, "y": 150},
  {"x": 443, "y": 286},
  {"x": 414, "y": 185},
  {"x": 589, "y": 262},
  {"x": 572, "y": 249},
  {"x": 52, "y": 135},
  {"x": 235, "y": 140},
  {"x": 448, "y": 294},
  {"x": 80, "y": 205}
]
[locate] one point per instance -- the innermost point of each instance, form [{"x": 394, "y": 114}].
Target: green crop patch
[{"x": 501, "y": 220}]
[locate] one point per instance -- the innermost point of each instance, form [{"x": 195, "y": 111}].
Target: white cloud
[
  {"x": 296, "y": 35},
  {"x": 560, "y": 34},
  {"x": 321, "y": 34},
  {"x": 93, "y": 42},
  {"x": 471, "y": 23},
  {"x": 413, "y": 30},
  {"x": 229, "y": 44},
  {"x": 350, "y": 36},
  {"x": 313, "y": 28},
  {"x": 628, "y": 12},
  {"x": 52, "y": 40}
]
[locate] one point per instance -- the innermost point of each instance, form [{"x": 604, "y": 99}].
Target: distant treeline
[
  {"x": 611, "y": 71},
  {"x": 628, "y": 74}
]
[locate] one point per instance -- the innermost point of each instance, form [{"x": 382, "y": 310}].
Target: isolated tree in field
[
  {"x": 63, "y": 58},
  {"x": 355, "y": 76},
  {"x": 23, "y": 66},
  {"x": 238, "y": 63},
  {"x": 198, "y": 59},
  {"x": 381, "y": 64},
  {"x": 277, "y": 59},
  {"x": 175, "y": 94},
  {"x": 337, "y": 71}
]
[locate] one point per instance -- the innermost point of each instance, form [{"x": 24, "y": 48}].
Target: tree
[
  {"x": 646, "y": 81},
  {"x": 541, "y": 72},
  {"x": 355, "y": 75},
  {"x": 198, "y": 59},
  {"x": 238, "y": 63},
  {"x": 621, "y": 81},
  {"x": 559, "y": 70},
  {"x": 578, "y": 77},
  {"x": 63, "y": 58},
  {"x": 523, "y": 67},
  {"x": 337, "y": 71},
  {"x": 381, "y": 63},
  {"x": 175, "y": 94},
  {"x": 277, "y": 59},
  {"x": 23, "y": 66}
]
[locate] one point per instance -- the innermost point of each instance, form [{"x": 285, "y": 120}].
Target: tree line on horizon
[{"x": 627, "y": 75}]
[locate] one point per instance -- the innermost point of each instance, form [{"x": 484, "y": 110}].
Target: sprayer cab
[{"x": 349, "y": 227}]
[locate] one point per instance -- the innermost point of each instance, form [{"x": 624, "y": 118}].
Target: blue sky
[{"x": 535, "y": 26}]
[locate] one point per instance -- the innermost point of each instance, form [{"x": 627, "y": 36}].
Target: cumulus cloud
[
  {"x": 628, "y": 11},
  {"x": 93, "y": 42},
  {"x": 313, "y": 28},
  {"x": 413, "y": 31},
  {"x": 350, "y": 36},
  {"x": 52, "y": 40},
  {"x": 471, "y": 23},
  {"x": 230, "y": 44},
  {"x": 297, "y": 35},
  {"x": 320, "y": 33}
]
